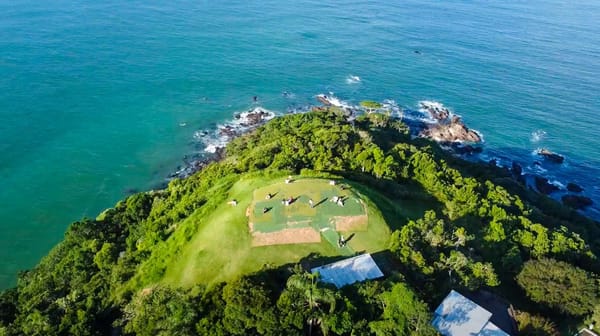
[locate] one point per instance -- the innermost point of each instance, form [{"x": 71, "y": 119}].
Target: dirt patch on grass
[
  {"x": 286, "y": 236},
  {"x": 350, "y": 223}
]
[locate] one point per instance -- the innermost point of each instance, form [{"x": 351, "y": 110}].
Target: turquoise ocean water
[{"x": 100, "y": 99}]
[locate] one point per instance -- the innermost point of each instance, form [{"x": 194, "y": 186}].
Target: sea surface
[{"x": 100, "y": 99}]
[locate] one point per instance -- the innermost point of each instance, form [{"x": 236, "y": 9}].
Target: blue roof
[
  {"x": 459, "y": 316},
  {"x": 349, "y": 271}
]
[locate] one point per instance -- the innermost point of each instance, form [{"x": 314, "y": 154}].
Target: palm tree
[{"x": 312, "y": 298}]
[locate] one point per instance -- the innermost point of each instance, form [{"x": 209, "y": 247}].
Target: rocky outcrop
[
  {"x": 576, "y": 201},
  {"x": 193, "y": 164},
  {"x": 543, "y": 186},
  {"x": 437, "y": 111},
  {"x": 454, "y": 131},
  {"x": 572, "y": 187},
  {"x": 254, "y": 117},
  {"x": 448, "y": 128},
  {"x": 461, "y": 149},
  {"x": 551, "y": 156},
  {"x": 228, "y": 131}
]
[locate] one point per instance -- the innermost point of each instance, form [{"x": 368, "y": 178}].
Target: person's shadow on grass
[{"x": 320, "y": 202}]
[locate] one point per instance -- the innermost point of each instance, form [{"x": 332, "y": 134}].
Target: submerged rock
[
  {"x": 572, "y": 187},
  {"x": 461, "y": 149},
  {"x": 576, "y": 201},
  {"x": 517, "y": 169},
  {"x": 543, "y": 186}
]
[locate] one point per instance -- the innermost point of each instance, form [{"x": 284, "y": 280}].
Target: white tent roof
[
  {"x": 458, "y": 316},
  {"x": 349, "y": 271}
]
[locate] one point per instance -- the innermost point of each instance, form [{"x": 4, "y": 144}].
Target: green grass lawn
[{"x": 222, "y": 249}]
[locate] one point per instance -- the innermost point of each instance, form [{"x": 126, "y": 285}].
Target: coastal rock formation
[
  {"x": 576, "y": 201},
  {"x": 448, "y": 128},
  {"x": 453, "y": 131},
  {"x": 254, "y": 117},
  {"x": 437, "y": 111},
  {"x": 551, "y": 156},
  {"x": 572, "y": 187},
  {"x": 228, "y": 131},
  {"x": 543, "y": 186},
  {"x": 460, "y": 149}
]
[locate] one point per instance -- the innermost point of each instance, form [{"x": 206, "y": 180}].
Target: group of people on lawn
[{"x": 339, "y": 200}]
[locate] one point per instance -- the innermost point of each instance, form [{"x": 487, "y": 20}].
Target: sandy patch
[
  {"x": 286, "y": 236},
  {"x": 350, "y": 223}
]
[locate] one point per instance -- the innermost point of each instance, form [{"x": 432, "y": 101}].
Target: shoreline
[{"x": 431, "y": 120}]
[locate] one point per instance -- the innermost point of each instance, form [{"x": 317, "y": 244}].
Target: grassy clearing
[
  {"x": 222, "y": 249},
  {"x": 322, "y": 219}
]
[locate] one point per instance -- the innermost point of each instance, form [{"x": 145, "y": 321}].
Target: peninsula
[{"x": 318, "y": 223}]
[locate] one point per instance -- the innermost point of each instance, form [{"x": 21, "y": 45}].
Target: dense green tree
[
  {"x": 403, "y": 314},
  {"x": 160, "y": 311},
  {"x": 535, "y": 325},
  {"x": 559, "y": 285},
  {"x": 248, "y": 309},
  {"x": 305, "y": 301}
]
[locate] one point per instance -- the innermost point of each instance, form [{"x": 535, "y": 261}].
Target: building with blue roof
[{"x": 459, "y": 316}]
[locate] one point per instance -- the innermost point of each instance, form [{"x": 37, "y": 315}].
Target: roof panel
[
  {"x": 349, "y": 271},
  {"x": 491, "y": 329},
  {"x": 458, "y": 316}
]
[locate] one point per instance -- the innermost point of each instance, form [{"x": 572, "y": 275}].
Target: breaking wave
[
  {"x": 352, "y": 79},
  {"x": 537, "y": 136}
]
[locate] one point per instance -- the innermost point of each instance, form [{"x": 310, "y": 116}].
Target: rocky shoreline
[
  {"x": 436, "y": 123},
  {"x": 242, "y": 123}
]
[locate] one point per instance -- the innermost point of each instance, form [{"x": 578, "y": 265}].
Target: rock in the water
[
  {"x": 572, "y": 187},
  {"x": 437, "y": 111},
  {"x": 517, "y": 169},
  {"x": 455, "y": 131},
  {"x": 576, "y": 201},
  {"x": 227, "y": 131},
  {"x": 465, "y": 149},
  {"x": 543, "y": 186},
  {"x": 556, "y": 158}
]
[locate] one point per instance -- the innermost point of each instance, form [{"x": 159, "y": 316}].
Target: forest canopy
[{"x": 479, "y": 228}]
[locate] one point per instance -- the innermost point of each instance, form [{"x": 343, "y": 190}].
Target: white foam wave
[
  {"x": 352, "y": 79},
  {"x": 392, "y": 106},
  {"x": 425, "y": 106},
  {"x": 538, "y": 169},
  {"x": 479, "y": 134},
  {"x": 288, "y": 94},
  {"x": 331, "y": 99},
  {"x": 537, "y": 136},
  {"x": 557, "y": 183}
]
